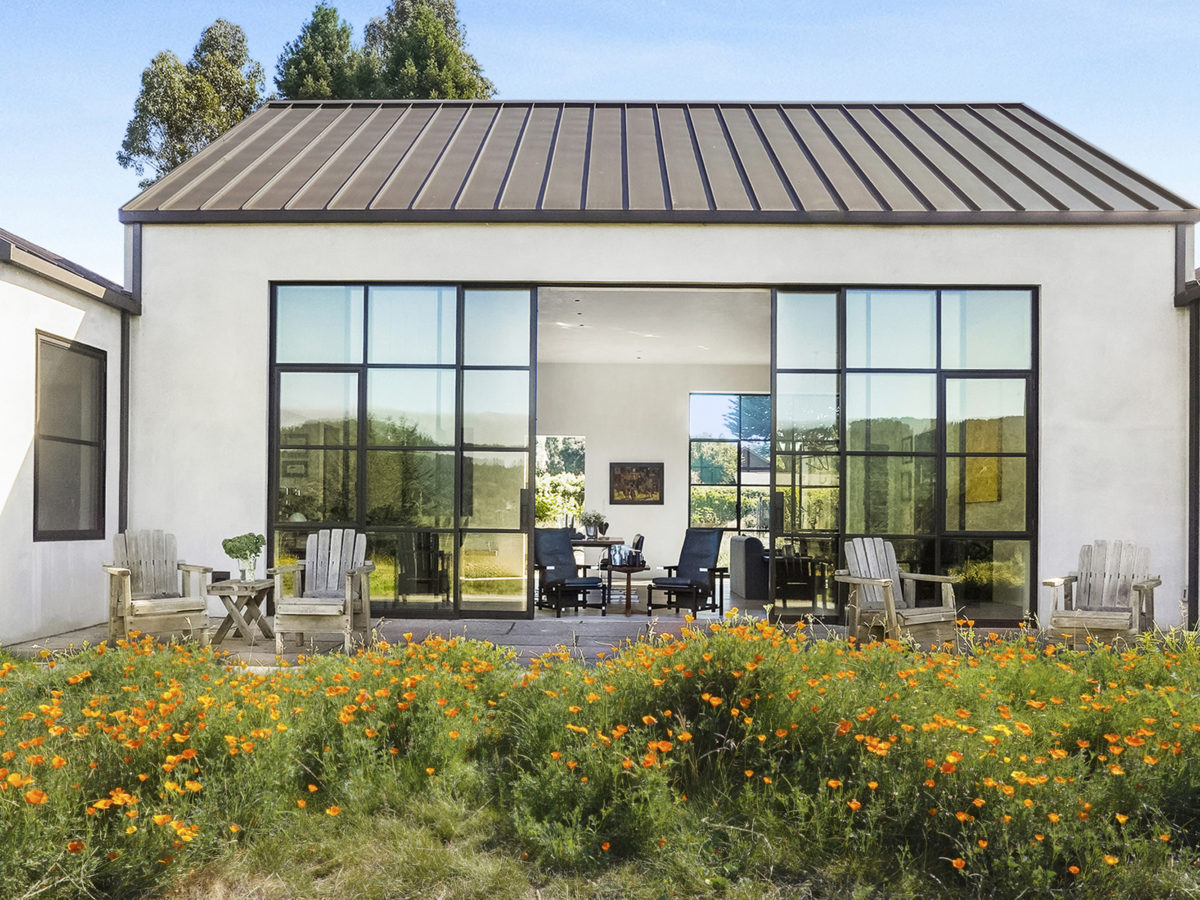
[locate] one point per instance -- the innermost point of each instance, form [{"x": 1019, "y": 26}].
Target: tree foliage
[
  {"x": 426, "y": 62},
  {"x": 181, "y": 108},
  {"x": 321, "y": 63}
]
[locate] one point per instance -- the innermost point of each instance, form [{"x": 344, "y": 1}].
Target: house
[
  {"x": 63, "y": 347},
  {"x": 950, "y": 324}
]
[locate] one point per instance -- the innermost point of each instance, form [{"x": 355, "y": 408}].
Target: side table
[
  {"x": 628, "y": 570},
  {"x": 244, "y": 601}
]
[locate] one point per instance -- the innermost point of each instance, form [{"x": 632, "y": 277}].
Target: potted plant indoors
[
  {"x": 245, "y": 548},
  {"x": 593, "y": 522}
]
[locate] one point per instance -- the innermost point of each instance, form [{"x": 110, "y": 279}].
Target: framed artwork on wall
[{"x": 635, "y": 483}]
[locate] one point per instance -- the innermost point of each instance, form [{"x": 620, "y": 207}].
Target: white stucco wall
[
  {"x": 47, "y": 587},
  {"x": 1113, "y": 350}
]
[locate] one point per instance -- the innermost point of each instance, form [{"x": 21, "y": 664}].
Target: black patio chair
[
  {"x": 560, "y": 582},
  {"x": 692, "y": 583}
]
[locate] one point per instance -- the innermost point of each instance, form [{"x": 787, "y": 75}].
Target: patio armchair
[
  {"x": 883, "y": 599},
  {"x": 692, "y": 582},
  {"x": 562, "y": 581},
  {"x": 331, "y": 589},
  {"x": 149, "y": 590},
  {"x": 1110, "y": 595}
]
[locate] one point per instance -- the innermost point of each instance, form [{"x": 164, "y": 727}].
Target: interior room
[{"x": 617, "y": 367}]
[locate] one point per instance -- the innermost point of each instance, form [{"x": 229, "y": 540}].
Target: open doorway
[{"x": 618, "y": 366}]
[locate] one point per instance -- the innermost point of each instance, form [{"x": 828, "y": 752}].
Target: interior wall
[{"x": 636, "y": 413}]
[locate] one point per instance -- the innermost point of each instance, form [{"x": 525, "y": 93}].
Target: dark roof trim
[
  {"x": 29, "y": 256},
  {"x": 678, "y": 216},
  {"x": 1189, "y": 295}
]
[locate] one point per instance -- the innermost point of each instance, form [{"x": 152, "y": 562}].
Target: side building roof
[
  {"x": 33, "y": 258},
  {"x": 493, "y": 161}
]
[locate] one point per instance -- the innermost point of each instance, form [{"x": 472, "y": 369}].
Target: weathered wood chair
[
  {"x": 1110, "y": 596},
  {"x": 883, "y": 599},
  {"x": 331, "y": 589},
  {"x": 149, "y": 590}
]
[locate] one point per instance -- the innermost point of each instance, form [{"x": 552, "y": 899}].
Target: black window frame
[
  {"x": 100, "y": 399},
  {"x": 741, "y": 443}
]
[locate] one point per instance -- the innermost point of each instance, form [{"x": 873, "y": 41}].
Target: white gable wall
[
  {"x": 1113, "y": 350},
  {"x": 47, "y": 587}
]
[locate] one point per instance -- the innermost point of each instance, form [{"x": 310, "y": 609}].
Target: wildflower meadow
[{"x": 740, "y": 759}]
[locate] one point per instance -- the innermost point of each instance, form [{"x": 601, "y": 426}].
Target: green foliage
[
  {"x": 424, "y": 60},
  {"x": 714, "y": 507},
  {"x": 593, "y": 518},
  {"x": 244, "y": 546},
  {"x": 737, "y": 760},
  {"x": 320, "y": 63},
  {"x": 180, "y": 109}
]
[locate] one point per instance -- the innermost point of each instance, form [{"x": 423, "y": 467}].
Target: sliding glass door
[{"x": 404, "y": 411}]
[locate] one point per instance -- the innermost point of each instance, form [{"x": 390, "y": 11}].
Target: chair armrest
[
  {"x": 940, "y": 579},
  {"x": 670, "y": 570},
  {"x": 854, "y": 579},
  {"x": 1059, "y": 582},
  {"x": 1148, "y": 585},
  {"x": 286, "y": 569},
  {"x": 185, "y": 567},
  {"x": 116, "y": 570},
  {"x": 365, "y": 569}
]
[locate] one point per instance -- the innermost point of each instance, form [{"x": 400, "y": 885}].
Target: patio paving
[{"x": 587, "y": 634}]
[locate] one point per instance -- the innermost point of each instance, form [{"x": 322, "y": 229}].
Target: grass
[{"x": 739, "y": 760}]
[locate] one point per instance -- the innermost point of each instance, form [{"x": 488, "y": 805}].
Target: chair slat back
[
  {"x": 329, "y": 554},
  {"x": 150, "y": 557},
  {"x": 874, "y": 558},
  {"x": 1107, "y": 572},
  {"x": 701, "y": 547},
  {"x": 552, "y": 549}
]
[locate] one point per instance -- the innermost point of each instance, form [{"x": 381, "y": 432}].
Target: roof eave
[
  {"x": 96, "y": 288},
  {"x": 679, "y": 217}
]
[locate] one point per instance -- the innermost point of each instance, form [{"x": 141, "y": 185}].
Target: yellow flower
[
  {"x": 334, "y": 811},
  {"x": 1110, "y": 859},
  {"x": 958, "y": 862}
]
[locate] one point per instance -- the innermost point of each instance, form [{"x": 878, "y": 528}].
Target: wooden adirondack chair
[
  {"x": 150, "y": 590},
  {"x": 331, "y": 589},
  {"x": 1110, "y": 596},
  {"x": 882, "y": 598}
]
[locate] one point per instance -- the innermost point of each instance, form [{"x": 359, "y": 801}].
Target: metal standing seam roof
[{"x": 495, "y": 161}]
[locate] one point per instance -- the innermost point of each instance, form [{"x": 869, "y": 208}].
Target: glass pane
[
  {"x": 889, "y": 495},
  {"x": 407, "y": 487},
  {"x": 318, "y": 408},
  {"x": 492, "y": 484},
  {"x": 412, "y": 325},
  {"x": 806, "y": 331},
  {"x": 756, "y": 509},
  {"x": 70, "y": 393},
  {"x": 713, "y": 507},
  {"x": 412, "y": 570},
  {"x": 821, "y": 471},
  {"x": 754, "y": 459},
  {"x": 985, "y": 493},
  {"x": 496, "y": 328},
  {"x": 714, "y": 462},
  {"x": 496, "y": 408},
  {"x": 317, "y": 485},
  {"x": 995, "y": 577},
  {"x": 890, "y": 329},
  {"x": 69, "y": 486},
  {"x": 289, "y": 550},
  {"x": 895, "y": 413},
  {"x": 804, "y": 570},
  {"x": 410, "y": 407},
  {"x": 985, "y": 415},
  {"x": 493, "y": 572},
  {"x": 318, "y": 324},
  {"x": 714, "y": 416},
  {"x": 987, "y": 329},
  {"x": 756, "y": 417},
  {"x": 807, "y": 415}
]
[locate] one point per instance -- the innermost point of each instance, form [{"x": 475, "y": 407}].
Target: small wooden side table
[
  {"x": 628, "y": 570},
  {"x": 244, "y": 601}
]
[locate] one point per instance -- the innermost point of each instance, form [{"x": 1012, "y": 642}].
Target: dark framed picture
[{"x": 635, "y": 483}]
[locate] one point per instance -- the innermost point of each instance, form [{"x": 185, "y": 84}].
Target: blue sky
[{"x": 1116, "y": 72}]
